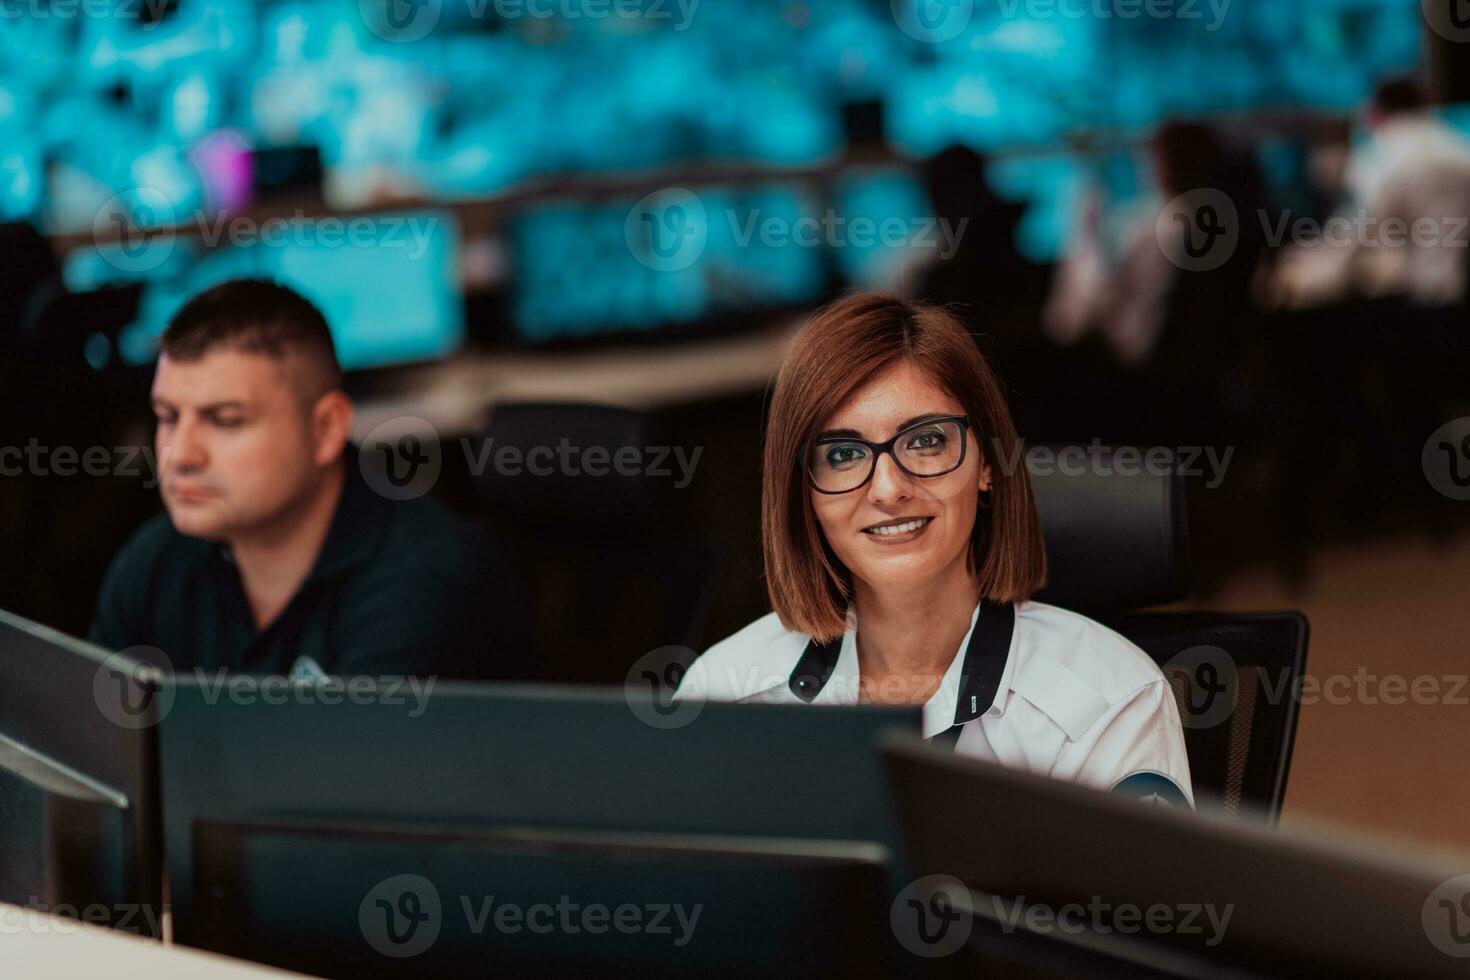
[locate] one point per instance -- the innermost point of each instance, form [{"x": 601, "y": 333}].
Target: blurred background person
[{"x": 1170, "y": 335}]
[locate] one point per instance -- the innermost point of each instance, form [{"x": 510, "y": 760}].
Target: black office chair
[
  {"x": 1117, "y": 543},
  {"x": 609, "y": 580}
]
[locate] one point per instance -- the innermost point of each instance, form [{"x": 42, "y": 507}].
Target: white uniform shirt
[
  {"x": 1032, "y": 687},
  {"x": 1417, "y": 168}
]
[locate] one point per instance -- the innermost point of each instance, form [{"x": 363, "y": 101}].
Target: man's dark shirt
[{"x": 400, "y": 587}]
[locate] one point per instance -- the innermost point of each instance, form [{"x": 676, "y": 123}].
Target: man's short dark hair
[
  {"x": 1400, "y": 97},
  {"x": 257, "y": 316}
]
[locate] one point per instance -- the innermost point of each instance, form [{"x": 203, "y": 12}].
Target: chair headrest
[
  {"x": 577, "y": 475},
  {"x": 1115, "y": 524}
]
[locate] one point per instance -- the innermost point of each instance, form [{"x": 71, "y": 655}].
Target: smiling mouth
[{"x": 902, "y": 529}]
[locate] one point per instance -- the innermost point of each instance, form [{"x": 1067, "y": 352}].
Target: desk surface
[{"x": 38, "y": 946}]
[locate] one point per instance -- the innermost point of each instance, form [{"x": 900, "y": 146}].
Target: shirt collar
[{"x": 974, "y": 684}]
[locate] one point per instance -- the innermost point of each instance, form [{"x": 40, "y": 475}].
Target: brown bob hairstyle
[{"x": 843, "y": 346}]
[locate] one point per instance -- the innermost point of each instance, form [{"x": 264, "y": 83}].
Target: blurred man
[
  {"x": 276, "y": 555},
  {"x": 1416, "y": 169}
]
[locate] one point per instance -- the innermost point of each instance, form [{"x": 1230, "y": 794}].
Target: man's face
[{"x": 234, "y": 441}]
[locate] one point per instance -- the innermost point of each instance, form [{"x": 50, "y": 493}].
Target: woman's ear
[{"x": 987, "y": 481}]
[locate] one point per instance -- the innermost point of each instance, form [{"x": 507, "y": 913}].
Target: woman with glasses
[{"x": 902, "y": 548}]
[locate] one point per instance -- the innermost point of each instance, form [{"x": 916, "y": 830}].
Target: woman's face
[{"x": 892, "y": 400}]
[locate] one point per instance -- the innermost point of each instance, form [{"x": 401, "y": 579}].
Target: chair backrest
[
  {"x": 608, "y": 581},
  {"x": 1117, "y": 539},
  {"x": 1115, "y": 524},
  {"x": 1236, "y": 678}
]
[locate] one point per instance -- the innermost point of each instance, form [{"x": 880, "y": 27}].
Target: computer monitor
[
  {"x": 335, "y": 899},
  {"x": 79, "y": 823},
  {"x": 1016, "y": 872},
  {"x": 476, "y": 758}
]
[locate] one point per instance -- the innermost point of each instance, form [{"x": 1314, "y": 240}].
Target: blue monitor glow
[
  {"x": 889, "y": 222},
  {"x": 584, "y": 268},
  {"x": 388, "y": 284},
  {"x": 489, "y": 94}
]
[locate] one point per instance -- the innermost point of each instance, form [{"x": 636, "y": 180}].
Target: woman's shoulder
[
  {"x": 1106, "y": 660},
  {"x": 756, "y": 657}
]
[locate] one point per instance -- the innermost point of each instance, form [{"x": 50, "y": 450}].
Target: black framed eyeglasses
[{"x": 933, "y": 447}]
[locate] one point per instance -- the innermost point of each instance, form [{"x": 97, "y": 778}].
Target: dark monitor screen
[
  {"x": 483, "y": 756},
  {"x": 1108, "y": 880},
  {"x": 341, "y": 900},
  {"x": 79, "y": 830}
]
